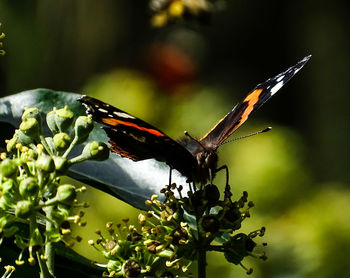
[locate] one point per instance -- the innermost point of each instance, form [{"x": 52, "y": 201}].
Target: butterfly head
[{"x": 206, "y": 157}]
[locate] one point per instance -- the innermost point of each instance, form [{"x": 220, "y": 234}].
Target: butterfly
[{"x": 197, "y": 160}]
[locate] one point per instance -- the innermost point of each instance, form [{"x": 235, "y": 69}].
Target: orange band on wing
[
  {"x": 115, "y": 122},
  {"x": 252, "y": 99}
]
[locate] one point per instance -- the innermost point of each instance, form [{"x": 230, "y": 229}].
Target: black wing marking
[
  {"x": 254, "y": 100},
  {"x": 135, "y": 139}
]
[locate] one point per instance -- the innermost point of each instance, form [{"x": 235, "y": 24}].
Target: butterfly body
[
  {"x": 135, "y": 139},
  {"x": 206, "y": 159}
]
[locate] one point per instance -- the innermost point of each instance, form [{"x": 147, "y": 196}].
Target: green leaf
[
  {"x": 70, "y": 262},
  {"x": 67, "y": 262},
  {"x": 132, "y": 182}
]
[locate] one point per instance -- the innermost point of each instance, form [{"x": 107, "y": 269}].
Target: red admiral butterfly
[{"x": 197, "y": 160}]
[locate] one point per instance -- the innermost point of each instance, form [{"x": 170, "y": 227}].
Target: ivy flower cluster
[
  {"x": 171, "y": 234},
  {"x": 2, "y": 35},
  {"x": 35, "y": 207},
  {"x": 160, "y": 247},
  {"x": 166, "y": 11}
]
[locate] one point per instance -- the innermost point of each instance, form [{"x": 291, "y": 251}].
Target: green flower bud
[
  {"x": 24, "y": 139},
  {"x": 232, "y": 217},
  {"x": 11, "y": 144},
  {"x": 211, "y": 194},
  {"x": 23, "y": 208},
  {"x": 8, "y": 188},
  {"x": 238, "y": 247},
  {"x": 4, "y": 204},
  {"x": 209, "y": 223},
  {"x": 51, "y": 121},
  {"x": 61, "y": 140},
  {"x": 66, "y": 194},
  {"x": 8, "y": 194},
  {"x": 30, "y": 127},
  {"x": 32, "y": 113},
  {"x": 4, "y": 221},
  {"x": 61, "y": 163},
  {"x": 53, "y": 235},
  {"x": 28, "y": 187},
  {"x": 35, "y": 238},
  {"x": 60, "y": 214},
  {"x": 57, "y": 216},
  {"x": 20, "y": 242},
  {"x": 64, "y": 210},
  {"x": 114, "y": 266},
  {"x": 45, "y": 163},
  {"x": 10, "y": 230},
  {"x": 83, "y": 127},
  {"x": 8, "y": 167},
  {"x": 64, "y": 118},
  {"x": 96, "y": 151},
  {"x": 7, "y": 226}
]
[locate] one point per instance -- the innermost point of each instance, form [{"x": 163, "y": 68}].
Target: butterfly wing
[
  {"x": 135, "y": 139},
  {"x": 253, "y": 101}
]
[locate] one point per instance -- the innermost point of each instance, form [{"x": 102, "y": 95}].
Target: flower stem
[
  {"x": 71, "y": 146},
  {"x": 50, "y": 255},
  {"x": 44, "y": 272},
  {"x": 201, "y": 253},
  {"x": 44, "y": 143},
  {"x": 202, "y": 263},
  {"x": 49, "y": 248}
]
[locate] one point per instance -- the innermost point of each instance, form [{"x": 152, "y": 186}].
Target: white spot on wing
[
  {"x": 123, "y": 115},
  {"x": 102, "y": 110},
  {"x": 280, "y": 78},
  {"x": 276, "y": 88},
  {"x": 296, "y": 70}
]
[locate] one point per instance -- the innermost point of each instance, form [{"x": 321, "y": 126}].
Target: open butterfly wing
[
  {"x": 253, "y": 101},
  {"x": 133, "y": 138}
]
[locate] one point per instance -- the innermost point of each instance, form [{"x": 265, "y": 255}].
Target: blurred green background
[{"x": 186, "y": 76}]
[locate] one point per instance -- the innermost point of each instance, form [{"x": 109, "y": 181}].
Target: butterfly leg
[
  {"x": 190, "y": 187},
  {"x": 222, "y": 168},
  {"x": 170, "y": 171},
  {"x": 211, "y": 175}
]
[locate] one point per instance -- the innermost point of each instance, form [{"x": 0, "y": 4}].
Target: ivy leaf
[
  {"x": 66, "y": 261},
  {"x": 132, "y": 182}
]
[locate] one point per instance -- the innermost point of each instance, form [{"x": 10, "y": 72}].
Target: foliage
[
  {"x": 30, "y": 187},
  {"x": 117, "y": 176},
  {"x": 176, "y": 231}
]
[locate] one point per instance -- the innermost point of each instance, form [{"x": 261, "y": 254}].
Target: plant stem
[
  {"x": 50, "y": 255},
  {"x": 71, "y": 146},
  {"x": 46, "y": 146},
  {"x": 44, "y": 272},
  {"x": 49, "y": 248},
  {"x": 201, "y": 253},
  {"x": 202, "y": 263}
]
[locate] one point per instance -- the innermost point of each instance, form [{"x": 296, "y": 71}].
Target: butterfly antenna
[
  {"x": 246, "y": 136},
  {"x": 195, "y": 140}
]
